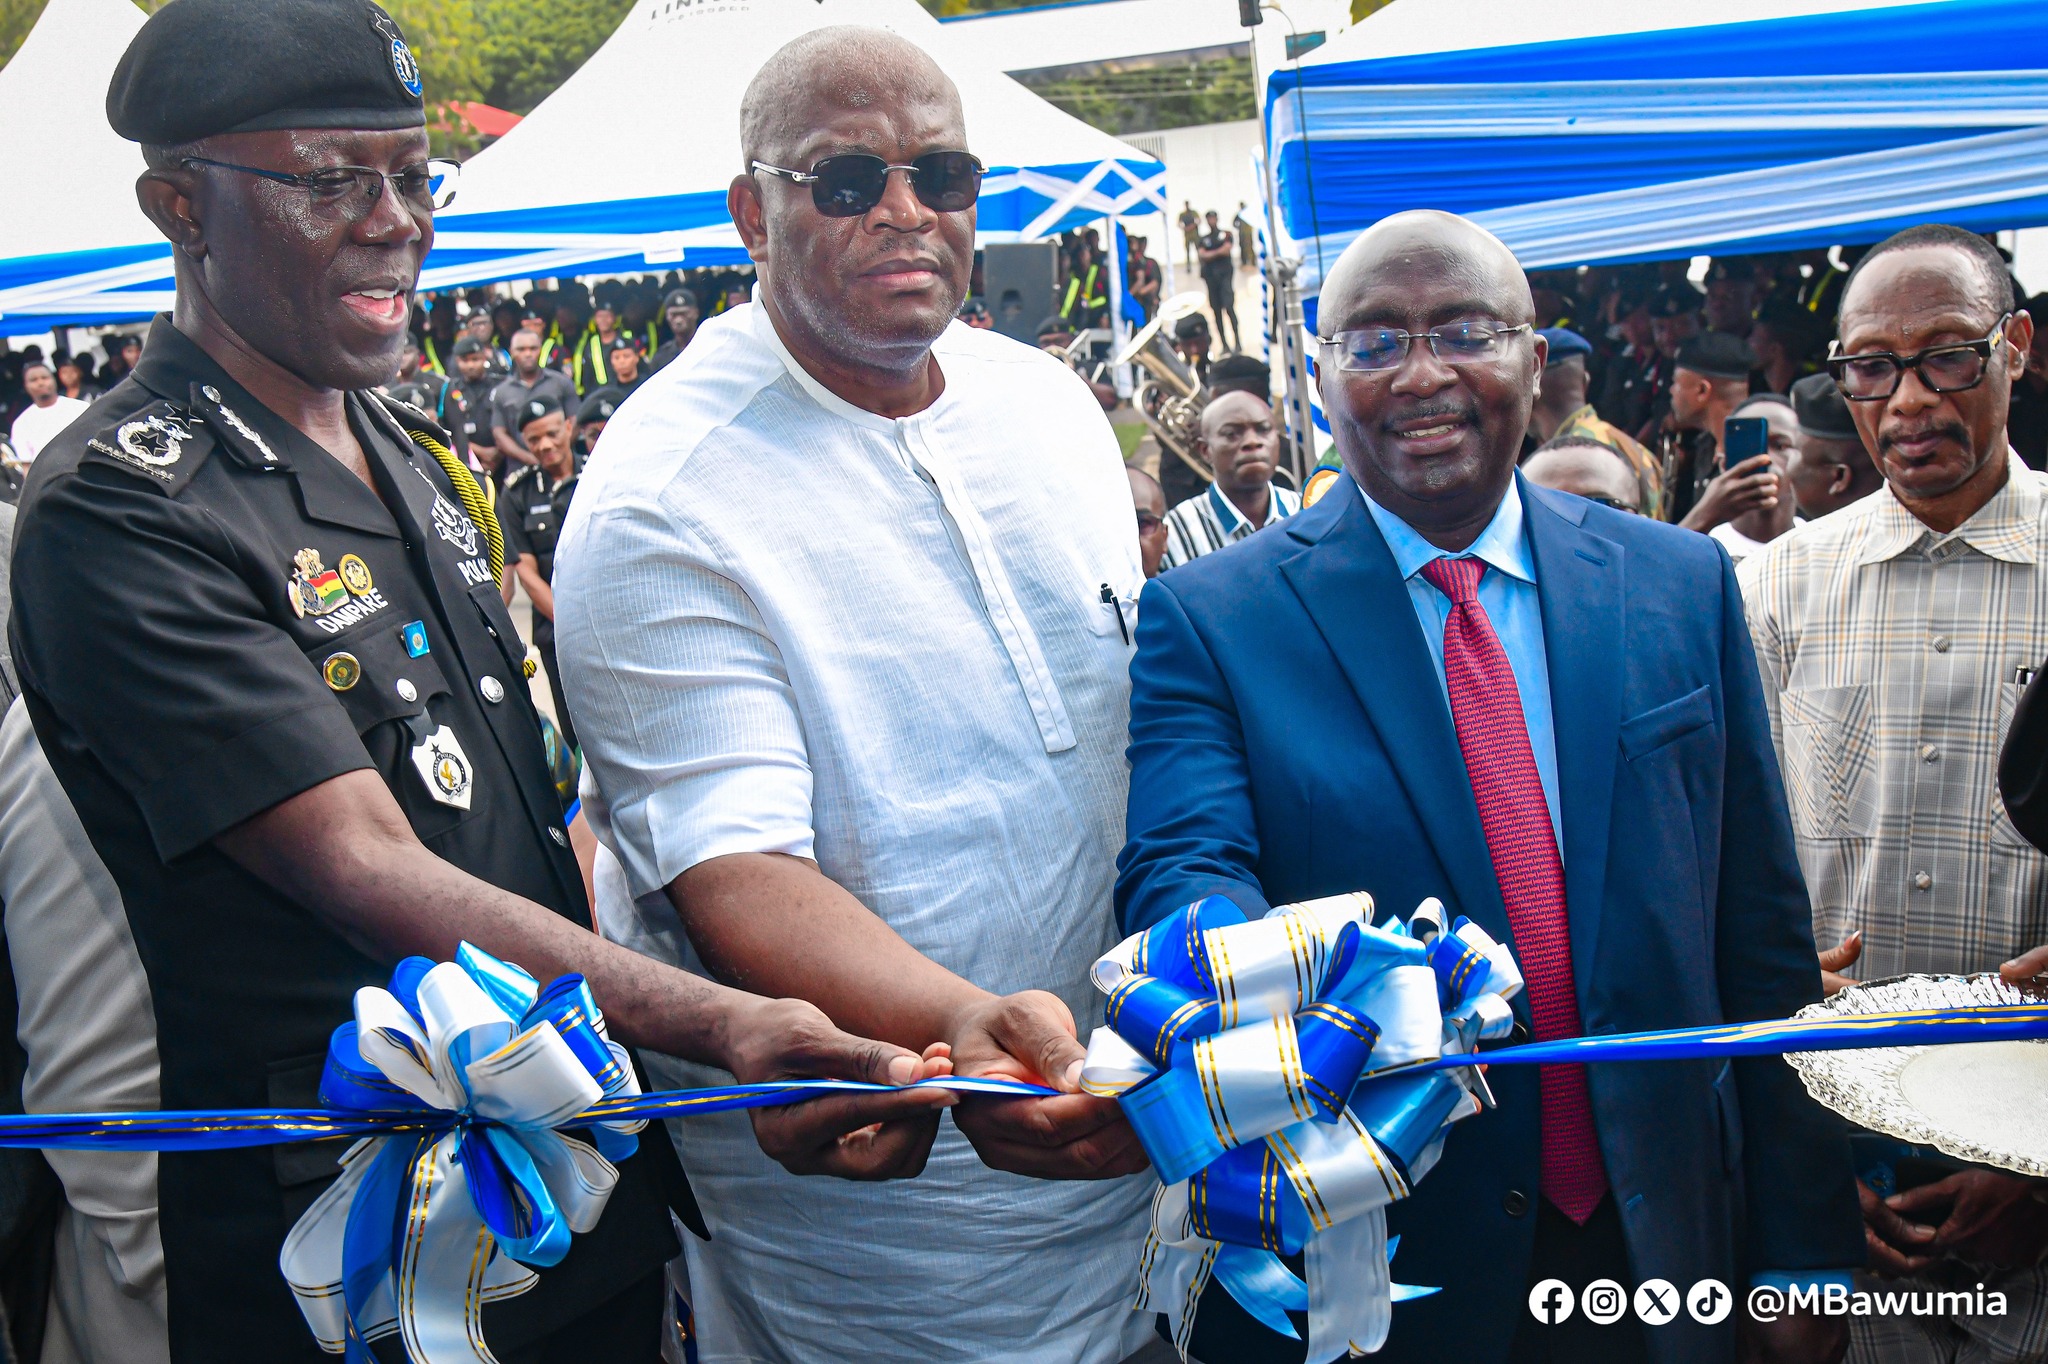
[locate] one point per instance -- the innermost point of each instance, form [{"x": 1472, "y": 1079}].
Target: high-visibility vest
[
  {"x": 590, "y": 348},
  {"x": 432, "y": 357},
  {"x": 1089, "y": 298}
]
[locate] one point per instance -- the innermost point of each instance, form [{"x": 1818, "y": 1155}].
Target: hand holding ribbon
[{"x": 1069, "y": 1135}]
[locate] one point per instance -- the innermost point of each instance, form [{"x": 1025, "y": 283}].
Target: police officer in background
[
  {"x": 530, "y": 511},
  {"x": 597, "y": 410},
  {"x": 466, "y": 411},
  {"x": 681, "y": 311},
  {"x": 258, "y": 629}
]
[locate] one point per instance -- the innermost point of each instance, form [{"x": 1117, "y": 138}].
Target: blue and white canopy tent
[
  {"x": 571, "y": 191},
  {"x": 72, "y": 238},
  {"x": 1618, "y": 130}
]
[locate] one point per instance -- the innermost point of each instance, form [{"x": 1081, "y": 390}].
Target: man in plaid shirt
[{"x": 1894, "y": 638}]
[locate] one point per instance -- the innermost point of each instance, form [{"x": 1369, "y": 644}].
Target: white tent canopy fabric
[
  {"x": 72, "y": 232},
  {"x": 565, "y": 192},
  {"x": 561, "y": 194}
]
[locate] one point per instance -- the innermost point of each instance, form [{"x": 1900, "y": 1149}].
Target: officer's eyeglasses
[
  {"x": 351, "y": 192},
  {"x": 850, "y": 185},
  {"x": 1875, "y": 375},
  {"x": 1372, "y": 349},
  {"x": 1147, "y": 523},
  {"x": 1614, "y": 502}
]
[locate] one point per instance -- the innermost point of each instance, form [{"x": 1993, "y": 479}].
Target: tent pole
[
  {"x": 1121, "y": 376},
  {"x": 1285, "y": 317}
]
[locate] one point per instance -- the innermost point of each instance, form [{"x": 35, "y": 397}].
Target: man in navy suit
[{"x": 1444, "y": 681}]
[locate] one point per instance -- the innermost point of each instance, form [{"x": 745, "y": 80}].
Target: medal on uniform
[
  {"x": 355, "y": 575},
  {"x": 444, "y": 767},
  {"x": 315, "y": 588},
  {"x": 342, "y": 671}
]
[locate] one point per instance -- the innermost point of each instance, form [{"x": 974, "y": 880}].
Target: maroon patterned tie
[{"x": 1495, "y": 742}]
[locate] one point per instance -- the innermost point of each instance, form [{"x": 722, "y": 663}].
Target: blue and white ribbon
[
  {"x": 1237, "y": 1050},
  {"x": 423, "y": 1229},
  {"x": 494, "y": 1110}
]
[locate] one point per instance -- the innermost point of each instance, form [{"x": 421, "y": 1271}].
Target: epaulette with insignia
[
  {"x": 163, "y": 442},
  {"x": 236, "y": 435}
]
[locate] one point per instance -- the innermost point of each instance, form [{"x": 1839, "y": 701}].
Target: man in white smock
[{"x": 843, "y": 617}]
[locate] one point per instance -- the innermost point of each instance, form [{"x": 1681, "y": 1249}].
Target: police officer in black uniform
[
  {"x": 258, "y": 627},
  {"x": 466, "y": 410},
  {"x": 531, "y": 510}
]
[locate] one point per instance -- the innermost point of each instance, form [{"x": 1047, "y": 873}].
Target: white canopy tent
[
  {"x": 563, "y": 193},
  {"x": 72, "y": 232}
]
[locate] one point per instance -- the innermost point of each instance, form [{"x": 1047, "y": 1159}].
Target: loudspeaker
[{"x": 1019, "y": 282}]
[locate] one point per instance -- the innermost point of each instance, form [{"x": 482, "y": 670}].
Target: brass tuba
[{"x": 1169, "y": 397}]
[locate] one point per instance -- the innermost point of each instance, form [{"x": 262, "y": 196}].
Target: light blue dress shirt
[{"x": 1507, "y": 593}]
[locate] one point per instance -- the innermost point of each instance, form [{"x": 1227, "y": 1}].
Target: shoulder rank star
[
  {"x": 315, "y": 589},
  {"x": 154, "y": 442}
]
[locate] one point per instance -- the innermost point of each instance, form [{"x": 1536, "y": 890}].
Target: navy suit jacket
[{"x": 1289, "y": 739}]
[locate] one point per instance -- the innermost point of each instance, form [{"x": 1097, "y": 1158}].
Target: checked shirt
[{"x": 1891, "y": 657}]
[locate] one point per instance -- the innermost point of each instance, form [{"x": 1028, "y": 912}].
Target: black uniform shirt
[
  {"x": 212, "y": 615},
  {"x": 509, "y": 398},
  {"x": 1218, "y": 270},
  {"x": 531, "y": 510},
  {"x": 466, "y": 411}
]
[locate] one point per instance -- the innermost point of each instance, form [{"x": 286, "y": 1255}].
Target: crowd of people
[{"x": 879, "y": 721}]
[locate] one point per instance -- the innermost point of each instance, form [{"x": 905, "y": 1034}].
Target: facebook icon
[{"x": 1550, "y": 1301}]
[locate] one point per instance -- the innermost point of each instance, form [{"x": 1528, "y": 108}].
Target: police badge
[{"x": 444, "y": 767}]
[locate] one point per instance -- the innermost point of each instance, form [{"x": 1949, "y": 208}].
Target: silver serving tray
[{"x": 1979, "y": 1101}]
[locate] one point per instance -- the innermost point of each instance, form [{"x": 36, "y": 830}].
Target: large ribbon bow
[
  {"x": 1237, "y": 1049},
  {"x": 425, "y": 1227}
]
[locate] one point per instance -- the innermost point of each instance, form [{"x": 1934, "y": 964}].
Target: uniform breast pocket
[
  {"x": 374, "y": 676},
  {"x": 1830, "y": 761},
  {"x": 383, "y": 687},
  {"x": 539, "y": 521}
]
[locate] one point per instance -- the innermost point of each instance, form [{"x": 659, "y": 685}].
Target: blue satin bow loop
[
  {"x": 424, "y": 1228},
  {"x": 1239, "y": 1050}
]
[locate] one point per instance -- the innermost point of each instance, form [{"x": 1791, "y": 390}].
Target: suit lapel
[
  {"x": 1352, "y": 590},
  {"x": 1580, "y": 579}
]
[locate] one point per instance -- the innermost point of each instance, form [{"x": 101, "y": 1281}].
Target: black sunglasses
[
  {"x": 1953, "y": 368},
  {"x": 850, "y": 185}
]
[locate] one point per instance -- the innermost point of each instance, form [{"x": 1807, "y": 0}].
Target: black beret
[
  {"x": 623, "y": 342},
  {"x": 1717, "y": 355},
  {"x": 467, "y": 345},
  {"x": 542, "y": 405},
  {"x": 202, "y": 67},
  {"x": 678, "y": 297},
  {"x": 1240, "y": 374},
  {"x": 598, "y": 407},
  {"x": 1675, "y": 300},
  {"x": 1822, "y": 410}
]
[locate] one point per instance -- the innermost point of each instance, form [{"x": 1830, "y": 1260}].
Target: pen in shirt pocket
[{"x": 1115, "y": 603}]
